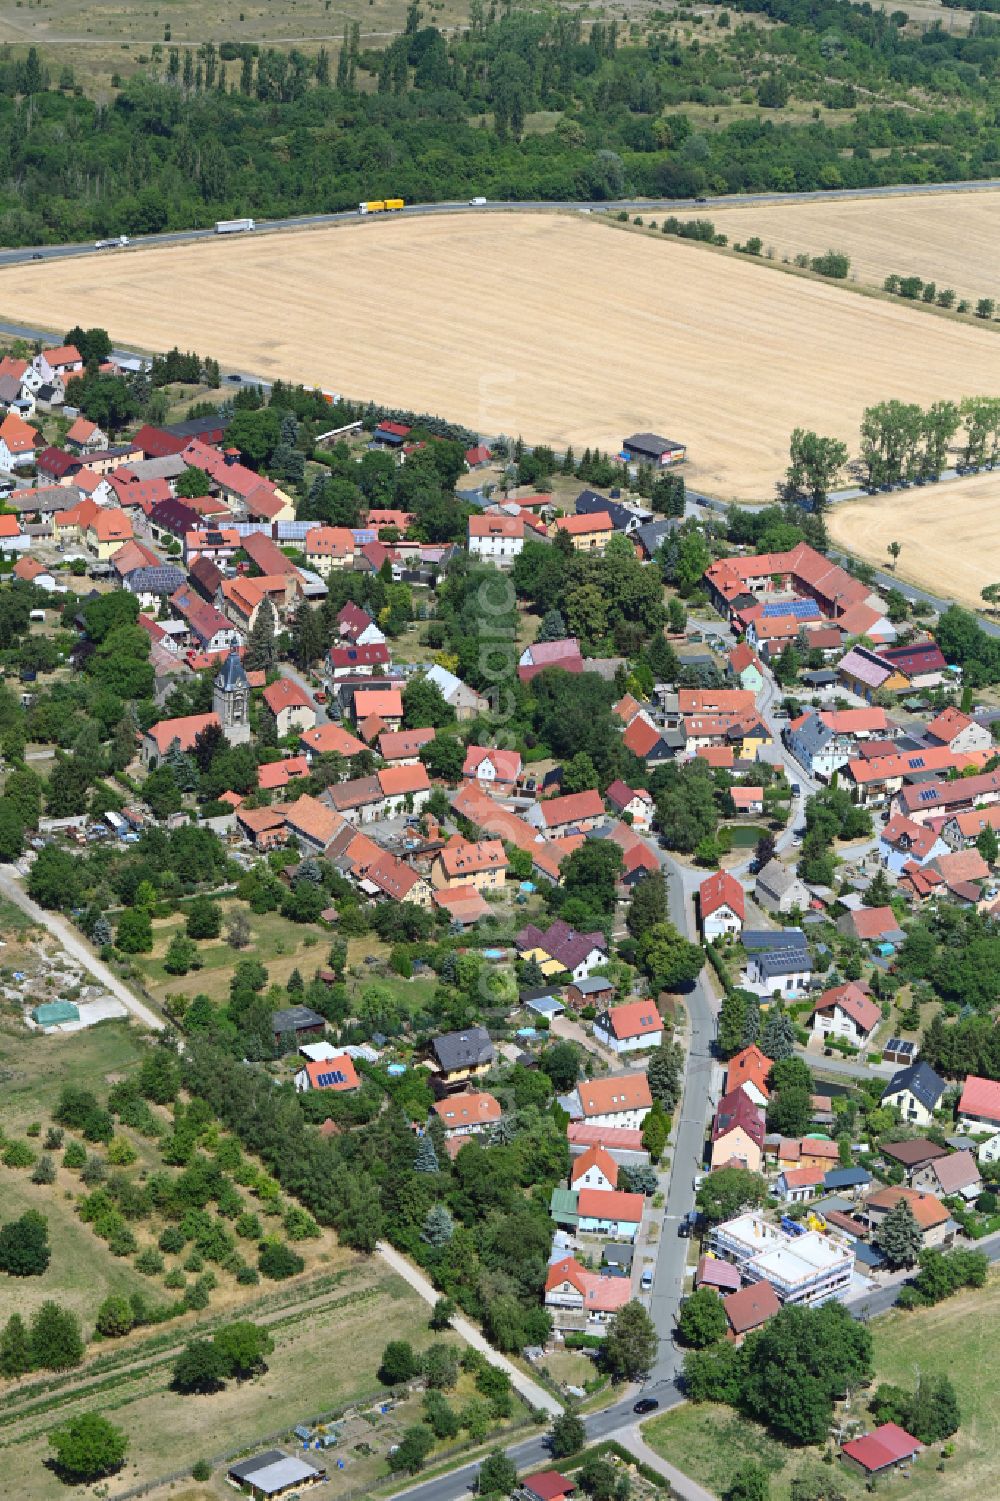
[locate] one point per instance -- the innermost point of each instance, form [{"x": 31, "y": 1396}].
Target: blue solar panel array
[
  {"x": 928, "y": 795},
  {"x": 336, "y": 1077},
  {"x": 803, "y": 609}
]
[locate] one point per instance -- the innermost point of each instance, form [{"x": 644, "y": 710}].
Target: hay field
[
  {"x": 548, "y": 325},
  {"x": 950, "y": 534},
  {"x": 947, "y": 238}
]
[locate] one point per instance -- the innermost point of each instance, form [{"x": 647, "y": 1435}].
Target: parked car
[
  {"x": 646, "y": 1404},
  {"x": 646, "y": 1281}
]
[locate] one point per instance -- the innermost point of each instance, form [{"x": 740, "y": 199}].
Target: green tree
[
  {"x": 88, "y": 1446},
  {"x": 702, "y": 1320},
  {"x": 424, "y": 706},
  {"x": 898, "y": 1237},
  {"x": 24, "y": 1245},
  {"x": 630, "y": 1344},
  {"x": 988, "y": 845},
  {"x": 789, "y": 1111},
  {"x": 244, "y": 1347},
  {"x": 670, "y": 960},
  {"x": 398, "y": 1364},
  {"x": 135, "y": 931},
  {"x": 261, "y": 652},
  {"x": 413, "y": 1449},
  {"x": 798, "y": 1364},
  {"x": 15, "y": 1347},
  {"x": 648, "y": 905},
  {"x": 567, "y": 1435},
  {"x": 655, "y": 1131},
  {"x": 204, "y": 918},
  {"x": 200, "y": 1368},
  {"x": 814, "y": 464},
  {"x": 497, "y": 1475},
  {"x": 665, "y": 1071},
  {"x": 56, "y": 1341},
  {"x": 728, "y": 1191},
  {"x": 777, "y": 1038}
]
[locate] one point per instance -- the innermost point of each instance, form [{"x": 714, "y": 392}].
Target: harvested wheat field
[
  {"x": 548, "y": 325},
  {"x": 950, "y": 534},
  {"x": 947, "y": 238}
]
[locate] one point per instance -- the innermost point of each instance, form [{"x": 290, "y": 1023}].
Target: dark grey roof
[
  {"x": 247, "y": 1466},
  {"x": 783, "y": 961},
  {"x": 847, "y": 1177},
  {"x": 589, "y": 503},
  {"x": 295, "y": 1019},
  {"x": 193, "y": 427},
  {"x": 232, "y": 677},
  {"x": 922, "y": 1082},
  {"x": 650, "y": 443},
  {"x": 653, "y": 532},
  {"x": 463, "y": 1049},
  {"x": 155, "y": 579},
  {"x": 754, "y": 940}
]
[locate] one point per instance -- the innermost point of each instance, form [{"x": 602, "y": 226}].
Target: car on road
[
  {"x": 796, "y": 790},
  {"x": 38, "y": 256},
  {"x": 319, "y": 697},
  {"x": 646, "y": 1404},
  {"x": 238, "y": 379},
  {"x": 646, "y": 1281}
]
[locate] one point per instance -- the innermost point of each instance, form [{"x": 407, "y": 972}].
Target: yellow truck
[{"x": 380, "y": 206}]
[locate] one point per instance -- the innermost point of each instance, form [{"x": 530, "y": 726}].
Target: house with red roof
[
  {"x": 880, "y": 1452},
  {"x": 621, "y": 1101},
  {"x": 594, "y": 1168},
  {"x": 636, "y": 802},
  {"x": 18, "y": 442},
  {"x": 482, "y": 865},
  {"x": 337, "y": 1074},
  {"x": 385, "y": 703},
  {"x": 478, "y": 456},
  {"x": 979, "y": 1106},
  {"x": 846, "y": 1011},
  {"x": 748, "y": 1070},
  {"x": 644, "y": 739},
  {"x": 547, "y": 1485},
  {"x": 750, "y": 1309},
  {"x": 495, "y": 771},
  {"x": 871, "y": 925},
  {"x": 390, "y": 877},
  {"x": 576, "y": 812},
  {"x": 291, "y": 706},
  {"x": 612, "y": 1213},
  {"x": 797, "y": 1185},
  {"x": 738, "y": 1133},
  {"x": 274, "y": 776},
  {"x": 721, "y": 906},
  {"x": 463, "y": 904},
  {"x": 564, "y": 654},
  {"x": 329, "y": 548},
  {"x": 403, "y": 747},
  {"x": 629, "y": 1028},
  {"x": 470, "y": 1113},
  {"x": 744, "y": 665},
  {"x": 84, "y": 436},
  {"x": 586, "y": 533},
  {"x": 12, "y": 539},
  {"x": 578, "y": 1299},
  {"x": 958, "y": 731},
  {"x": 495, "y": 539},
  {"x": 355, "y": 625}
]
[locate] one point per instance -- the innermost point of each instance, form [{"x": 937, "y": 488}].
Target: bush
[
  {"x": 171, "y": 1240},
  {"x": 115, "y": 1317},
  {"x": 277, "y": 1261},
  {"x": 18, "y": 1154},
  {"x": 24, "y": 1245},
  {"x": 75, "y": 1155},
  {"x": 201, "y": 1471},
  {"x": 149, "y": 1262},
  {"x": 398, "y": 1364}
]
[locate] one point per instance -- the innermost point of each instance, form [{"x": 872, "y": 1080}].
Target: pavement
[{"x": 71, "y": 941}]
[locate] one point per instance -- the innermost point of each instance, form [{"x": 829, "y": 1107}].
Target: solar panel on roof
[
  {"x": 336, "y": 1077},
  {"x": 916, "y": 762},
  {"x": 928, "y": 795}
]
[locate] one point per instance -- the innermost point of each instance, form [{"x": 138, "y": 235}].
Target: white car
[{"x": 476, "y": 202}]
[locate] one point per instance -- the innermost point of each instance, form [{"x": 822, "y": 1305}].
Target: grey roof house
[
  {"x": 779, "y": 888},
  {"x": 469, "y": 1051}
]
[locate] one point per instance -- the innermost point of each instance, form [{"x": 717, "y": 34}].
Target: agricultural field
[
  {"x": 950, "y": 534},
  {"x": 955, "y": 1337},
  {"x": 654, "y": 335},
  {"x": 947, "y": 238}
]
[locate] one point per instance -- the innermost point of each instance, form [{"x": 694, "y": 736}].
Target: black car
[
  {"x": 646, "y": 1404},
  {"x": 237, "y": 378},
  {"x": 38, "y": 256}
]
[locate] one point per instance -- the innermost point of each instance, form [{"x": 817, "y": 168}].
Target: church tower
[{"x": 231, "y": 699}]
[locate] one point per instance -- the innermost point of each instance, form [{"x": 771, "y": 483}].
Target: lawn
[
  {"x": 34, "y": 1067},
  {"x": 958, "y": 1337},
  {"x": 279, "y": 944}
]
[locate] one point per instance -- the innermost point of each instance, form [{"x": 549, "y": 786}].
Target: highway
[{"x": 21, "y": 254}]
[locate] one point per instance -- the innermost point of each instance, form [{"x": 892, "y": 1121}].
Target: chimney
[{"x": 231, "y": 456}]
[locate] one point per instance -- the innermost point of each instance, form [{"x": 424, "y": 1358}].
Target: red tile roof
[
  {"x": 751, "y": 1307},
  {"x": 750, "y": 1066},
  {"x": 572, "y": 808},
  {"x": 635, "y": 1019},
  {"x": 980, "y": 1097},
  {"x": 605, "y": 1204},
  {"x": 186, "y": 729},
  {"x": 615, "y": 1093},
  {"x": 286, "y": 693},
  {"x": 327, "y": 1068},
  {"x": 721, "y": 890},
  {"x": 596, "y": 1156},
  {"x": 886, "y": 1445},
  {"x": 465, "y": 1109},
  {"x": 853, "y": 1001}
]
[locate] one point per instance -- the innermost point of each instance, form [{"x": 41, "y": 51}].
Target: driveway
[{"x": 73, "y": 943}]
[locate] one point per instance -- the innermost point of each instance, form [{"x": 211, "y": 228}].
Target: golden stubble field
[
  {"x": 547, "y": 325},
  {"x": 950, "y": 534},
  {"x": 947, "y": 238}
]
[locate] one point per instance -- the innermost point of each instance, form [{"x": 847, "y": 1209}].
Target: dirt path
[
  {"x": 534, "y": 1395},
  {"x": 72, "y": 943}
]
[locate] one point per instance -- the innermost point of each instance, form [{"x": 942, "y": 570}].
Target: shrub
[
  {"x": 277, "y": 1261},
  {"x": 75, "y": 1154},
  {"x": 115, "y": 1317},
  {"x": 121, "y": 1153},
  {"x": 149, "y": 1262},
  {"x": 24, "y": 1245},
  {"x": 171, "y": 1240},
  {"x": 18, "y": 1154},
  {"x": 201, "y": 1470}
]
